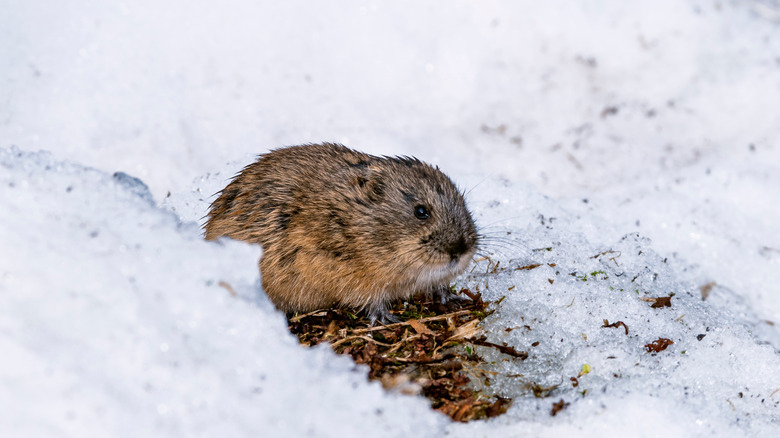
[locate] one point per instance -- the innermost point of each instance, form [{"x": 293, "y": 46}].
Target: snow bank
[
  {"x": 718, "y": 378},
  {"x": 117, "y": 320}
]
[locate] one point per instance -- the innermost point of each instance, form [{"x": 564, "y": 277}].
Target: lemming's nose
[{"x": 457, "y": 248}]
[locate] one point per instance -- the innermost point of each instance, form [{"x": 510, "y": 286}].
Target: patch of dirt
[{"x": 430, "y": 352}]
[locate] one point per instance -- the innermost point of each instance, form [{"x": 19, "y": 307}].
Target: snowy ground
[{"x": 648, "y": 129}]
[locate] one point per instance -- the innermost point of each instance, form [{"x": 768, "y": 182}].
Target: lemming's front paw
[
  {"x": 382, "y": 315},
  {"x": 446, "y": 295}
]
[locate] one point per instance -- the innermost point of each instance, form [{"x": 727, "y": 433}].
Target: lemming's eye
[{"x": 421, "y": 212}]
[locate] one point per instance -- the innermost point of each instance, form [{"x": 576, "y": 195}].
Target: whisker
[
  {"x": 501, "y": 220},
  {"x": 466, "y": 193},
  {"x": 501, "y": 239},
  {"x": 508, "y": 246},
  {"x": 417, "y": 258}
]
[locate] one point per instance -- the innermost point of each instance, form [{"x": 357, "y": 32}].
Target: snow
[
  {"x": 114, "y": 329},
  {"x": 647, "y": 129}
]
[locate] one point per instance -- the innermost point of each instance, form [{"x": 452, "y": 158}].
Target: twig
[
  {"x": 502, "y": 348},
  {"x": 228, "y": 287},
  {"x": 419, "y": 360},
  {"x": 399, "y": 324},
  {"x": 352, "y": 338},
  {"x": 298, "y": 318}
]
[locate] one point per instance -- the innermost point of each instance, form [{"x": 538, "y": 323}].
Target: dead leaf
[
  {"x": 662, "y": 302},
  {"x": 541, "y": 391},
  {"x": 465, "y": 331},
  {"x": 706, "y": 289},
  {"x": 615, "y": 325},
  {"x": 658, "y": 301},
  {"x": 658, "y": 345},
  {"x": 559, "y": 406},
  {"x": 419, "y": 327}
]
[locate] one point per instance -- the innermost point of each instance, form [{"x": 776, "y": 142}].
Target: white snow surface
[{"x": 630, "y": 148}]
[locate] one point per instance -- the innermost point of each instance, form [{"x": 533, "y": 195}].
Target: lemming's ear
[{"x": 368, "y": 180}]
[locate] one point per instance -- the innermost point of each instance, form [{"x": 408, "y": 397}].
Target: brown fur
[{"x": 338, "y": 227}]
